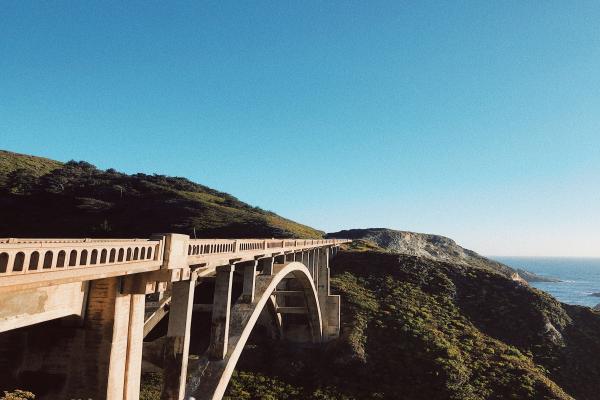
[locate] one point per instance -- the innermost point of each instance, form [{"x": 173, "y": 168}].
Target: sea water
[{"x": 580, "y": 277}]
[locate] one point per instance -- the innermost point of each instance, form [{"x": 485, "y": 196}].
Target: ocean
[{"x": 580, "y": 277}]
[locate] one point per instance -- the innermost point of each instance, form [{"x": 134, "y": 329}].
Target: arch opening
[{"x": 210, "y": 377}]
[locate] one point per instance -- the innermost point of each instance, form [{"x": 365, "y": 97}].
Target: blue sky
[{"x": 476, "y": 120}]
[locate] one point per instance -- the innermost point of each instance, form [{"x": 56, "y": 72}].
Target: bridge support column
[
  {"x": 249, "y": 281},
  {"x": 323, "y": 275},
  {"x": 135, "y": 287},
  {"x": 306, "y": 258},
  {"x": 330, "y": 305},
  {"x": 266, "y": 265},
  {"x": 316, "y": 264},
  {"x": 177, "y": 345},
  {"x": 135, "y": 344},
  {"x": 219, "y": 332},
  {"x": 98, "y": 355}
]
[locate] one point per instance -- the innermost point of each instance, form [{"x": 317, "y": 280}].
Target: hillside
[
  {"x": 434, "y": 247},
  {"x": 45, "y": 198},
  {"x": 36, "y": 166},
  {"x": 415, "y": 328},
  {"x": 422, "y": 318}
]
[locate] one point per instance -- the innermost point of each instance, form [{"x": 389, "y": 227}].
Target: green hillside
[
  {"x": 46, "y": 198},
  {"x": 422, "y": 318},
  {"x": 415, "y": 328},
  {"x": 36, "y": 166}
]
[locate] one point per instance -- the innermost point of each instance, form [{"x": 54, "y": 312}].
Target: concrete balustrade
[
  {"x": 102, "y": 286},
  {"x": 35, "y": 262}
]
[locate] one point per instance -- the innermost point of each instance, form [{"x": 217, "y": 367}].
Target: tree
[{"x": 21, "y": 181}]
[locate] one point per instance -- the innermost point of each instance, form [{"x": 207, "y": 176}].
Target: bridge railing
[
  {"x": 199, "y": 249},
  {"x": 220, "y": 246},
  {"x": 44, "y": 258},
  {"x": 52, "y": 261}
]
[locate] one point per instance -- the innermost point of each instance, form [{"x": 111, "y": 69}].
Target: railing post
[
  {"x": 175, "y": 249},
  {"x": 10, "y": 262}
]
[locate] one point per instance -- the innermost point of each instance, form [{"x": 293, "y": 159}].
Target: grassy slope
[
  {"x": 414, "y": 328},
  {"x": 76, "y": 199},
  {"x": 38, "y": 166}
]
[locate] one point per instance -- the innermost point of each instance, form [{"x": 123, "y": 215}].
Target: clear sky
[{"x": 476, "y": 120}]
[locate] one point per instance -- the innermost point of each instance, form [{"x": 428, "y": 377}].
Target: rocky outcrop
[
  {"x": 434, "y": 247},
  {"x": 531, "y": 277}
]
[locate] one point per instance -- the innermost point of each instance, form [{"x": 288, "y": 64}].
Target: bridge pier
[
  {"x": 104, "y": 356},
  {"x": 135, "y": 345},
  {"x": 315, "y": 269},
  {"x": 266, "y": 265},
  {"x": 219, "y": 332},
  {"x": 177, "y": 345},
  {"x": 249, "y": 281},
  {"x": 330, "y": 304}
]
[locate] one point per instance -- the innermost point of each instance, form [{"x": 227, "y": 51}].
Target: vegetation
[
  {"x": 414, "y": 328},
  {"x": 363, "y": 245},
  {"x": 151, "y": 386},
  {"x": 40, "y": 197},
  {"x": 36, "y": 166},
  {"x": 18, "y": 395}
]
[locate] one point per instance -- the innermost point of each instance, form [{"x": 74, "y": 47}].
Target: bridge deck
[{"x": 30, "y": 263}]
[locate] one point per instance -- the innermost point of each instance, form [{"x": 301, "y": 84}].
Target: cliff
[{"x": 434, "y": 247}]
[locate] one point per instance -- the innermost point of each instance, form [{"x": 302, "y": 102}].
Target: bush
[{"x": 18, "y": 395}]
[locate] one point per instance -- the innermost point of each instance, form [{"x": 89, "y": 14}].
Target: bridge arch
[{"x": 209, "y": 378}]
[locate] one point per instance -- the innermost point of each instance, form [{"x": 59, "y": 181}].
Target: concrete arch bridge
[{"x": 74, "y": 313}]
